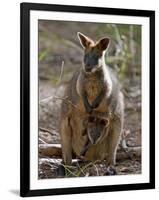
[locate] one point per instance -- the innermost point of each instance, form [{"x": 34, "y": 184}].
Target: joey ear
[
  {"x": 84, "y": 40},
  {"x": 103, "y": 43}
]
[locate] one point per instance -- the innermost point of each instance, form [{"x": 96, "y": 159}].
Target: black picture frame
[{"x": 25, "y": 9}]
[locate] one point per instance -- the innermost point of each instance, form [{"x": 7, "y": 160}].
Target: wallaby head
[
  {"x": 96, "y": 128},
  {"x": 93, "y": 52}
]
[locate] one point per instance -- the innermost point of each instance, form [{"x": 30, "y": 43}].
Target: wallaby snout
[{"x": 91, "y": 61}]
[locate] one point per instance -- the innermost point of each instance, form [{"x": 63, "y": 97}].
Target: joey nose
[{"x": 93, "y": 139}]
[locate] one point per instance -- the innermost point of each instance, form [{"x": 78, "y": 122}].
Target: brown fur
[{"x": 110, "y": 104}]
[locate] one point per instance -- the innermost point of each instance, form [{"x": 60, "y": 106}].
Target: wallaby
[
  {"x": 96, "y": 129},
  {"x": 93, "y": 88}
]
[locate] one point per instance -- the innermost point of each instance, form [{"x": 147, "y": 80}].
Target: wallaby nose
[{"x": 88, "y": 67}]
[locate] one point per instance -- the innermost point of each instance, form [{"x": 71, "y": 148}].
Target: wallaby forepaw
[
  {"x": 61, "y": 171},
  {"x": 94, "y": 105},
  {"x": 89, "y": 110}
]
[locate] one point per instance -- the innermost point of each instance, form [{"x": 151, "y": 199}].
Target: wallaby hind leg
[
  {"x": 66, "y": 141},
  {"x": 114, "y": 138}
]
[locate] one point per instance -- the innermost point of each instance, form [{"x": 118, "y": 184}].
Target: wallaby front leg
[
  {"x": 86, "y": 103},
  {"x": 98, "y": 99},
  {"x": 66, "y": 141}
]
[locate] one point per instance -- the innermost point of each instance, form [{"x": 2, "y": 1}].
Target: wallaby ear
[
  {"x": 84, "y": 40},
  {"x": 103, "y": 43}
]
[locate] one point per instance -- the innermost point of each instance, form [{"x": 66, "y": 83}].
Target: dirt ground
[{"x": 48, "y": 166}]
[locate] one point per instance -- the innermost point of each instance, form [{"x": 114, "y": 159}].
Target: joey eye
[
  {"x": 91, "y": 119},
  {"x": 104, "y": 122}
]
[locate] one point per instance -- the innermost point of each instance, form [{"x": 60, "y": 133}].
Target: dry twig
[{"x": 45, "y": 130}]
